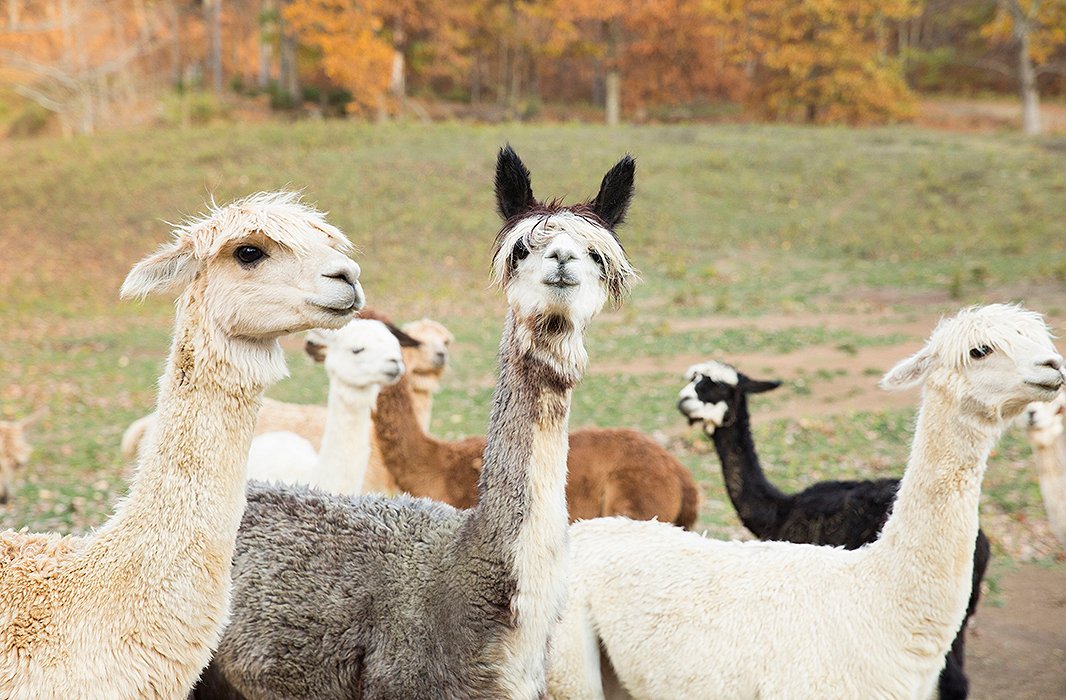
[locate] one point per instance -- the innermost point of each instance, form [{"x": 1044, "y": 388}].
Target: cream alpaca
[
  {"x": 359, "y": 358},
  {"x": 675, "y": 615},
  {"x": 134, "y": 610},
  {"x": 1044, "y": 426}
]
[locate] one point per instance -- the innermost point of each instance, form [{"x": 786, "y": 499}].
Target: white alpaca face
[
  {"x": 270, "y": 266},
  {"x": 994, "y": 360},
  {"x": 432, "y": 355},
  {"x": 362, "y": 354},
  {"x": 558, "y": 275},
  {"x": 1044, "y": 419}
]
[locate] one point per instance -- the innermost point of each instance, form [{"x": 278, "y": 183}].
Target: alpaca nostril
[
  {"x": 348, "y": 272},
  {"x": 561, "y": 255},
  {"x": 1054, "y": 363}
]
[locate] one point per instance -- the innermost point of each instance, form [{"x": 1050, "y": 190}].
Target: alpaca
[
  {"x": 1044, "y": 426},
  {"x": 15, "y": 450},
  {"x": 677, "y": 615},
  {"x": 846, "y": 514},
  {"x": 612, "y": 471},
  {"x": 134, "y": 610},
  {"x": 426, "y": 363},
  {"x": 372, "y": 597},
  {"x": 359, "y": 359},
  {"x": 425, "y": 349}
]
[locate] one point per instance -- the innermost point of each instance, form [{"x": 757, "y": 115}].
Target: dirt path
[{"x": 1018, "y": 651}]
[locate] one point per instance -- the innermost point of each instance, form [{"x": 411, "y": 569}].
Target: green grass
[{"x": 728, "y": 221}]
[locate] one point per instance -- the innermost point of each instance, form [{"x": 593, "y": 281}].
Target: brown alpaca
[{"x": 611, "y": 471}]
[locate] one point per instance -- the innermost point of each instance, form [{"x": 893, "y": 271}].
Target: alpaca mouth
[
  {"x": 560, "y": 280},
  {"x": 1051, "y": 387}
]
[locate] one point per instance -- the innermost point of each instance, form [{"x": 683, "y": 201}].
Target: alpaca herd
[{"x": 276, "y": 550}]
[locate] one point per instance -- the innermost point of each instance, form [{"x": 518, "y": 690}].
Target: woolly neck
[{"x": 345, "y": 451}]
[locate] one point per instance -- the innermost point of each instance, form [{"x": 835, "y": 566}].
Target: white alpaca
[
  {"x": 359, "y": 359},
  {"x": 135, "y": 609},
  {"x": 675, "y": 615},
  {"x": 1044, "y": 426},
  {"x": 15, "y": 450}
]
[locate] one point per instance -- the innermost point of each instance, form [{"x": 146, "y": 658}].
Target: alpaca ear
[
  {"x": 170, "y": 268},
  {"x": 910, "y": 372},
  {"x": 757, "y": 386},
  {"x": 316, "y": 344},
  {"x": 514, "y": 190},
  {"x": 616, "y": 190},
  {"x": 406, "y": 341}
]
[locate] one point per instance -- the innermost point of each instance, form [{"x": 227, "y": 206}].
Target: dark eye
[
  {"x": 596, "y": 257},
  {"x": 520, "y": 251},
  {"x": 248, "y": 254},
  {"x": 356, "y": 351},
  {"x": 980, "y": 351}
]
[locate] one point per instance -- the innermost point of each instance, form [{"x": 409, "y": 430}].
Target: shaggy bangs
[{"x": 997, "y": 325}]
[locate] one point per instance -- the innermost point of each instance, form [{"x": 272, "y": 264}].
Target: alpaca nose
[
  {"x": 561, "y": 254},
  {"x": 345, "y": 270},
  {"x": 440, "y": 357},
  {"x": 1054, "y": 362}
]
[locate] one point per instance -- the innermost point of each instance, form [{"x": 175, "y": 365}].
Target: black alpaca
[{"x": 846, "y": 514}]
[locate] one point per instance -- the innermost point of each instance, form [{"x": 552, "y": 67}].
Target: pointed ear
[
  {"x": 514, "y": 190},
  {"x": 756, "y": 386},
  {"x": 615, "y": 192},
  {"x": 170, "y": 268},
  {"x": 406, "y": 341},
  {"x": 316, "y": 345},
  {"x": 910, "y": 372}
]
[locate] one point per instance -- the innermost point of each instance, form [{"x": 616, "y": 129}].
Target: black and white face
[{"x": 713, "y": 393}]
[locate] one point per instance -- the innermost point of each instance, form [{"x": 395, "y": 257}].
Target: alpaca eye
[
  {"x": 248, "y": 254},
  {"x": 520, "y": 251},
  {"x": 596, "y": 257},
  {"x": 356, "y": 351},
  {"x": 979, "y": 352}
]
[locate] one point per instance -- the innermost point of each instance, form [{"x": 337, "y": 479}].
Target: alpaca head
[
  {"x": 261, "y": 267},
  {"x": 14, "y": 451},
  {"x": 361, "y": 355},
  {"x": 426, "y": 362},
  {"x": 560, "y": 264},
  {"x": 991, "y": 360},
  {"x": 1043, "y": 420},
  {"x": 714, "y": 391}
]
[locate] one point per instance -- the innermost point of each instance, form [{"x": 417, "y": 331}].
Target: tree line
[{"x": 845, "y": 61}]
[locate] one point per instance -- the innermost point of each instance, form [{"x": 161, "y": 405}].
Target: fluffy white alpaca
[
  {"x": 135, "y": 609},
  {"x": 1043, "y": 421},
  {"x": 359, "y": 359},
  {"x": 676, "y": 615}
]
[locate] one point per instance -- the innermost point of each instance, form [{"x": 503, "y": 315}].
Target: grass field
[{"x": 819, "y": 256}]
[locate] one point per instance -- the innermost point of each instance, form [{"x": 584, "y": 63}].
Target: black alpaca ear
[
  {"x": 757, "y": 386},
  {"x": 406, "y": 341},
  {"x": 615, "y": 192},
  {"x": 514, "y": 190}
]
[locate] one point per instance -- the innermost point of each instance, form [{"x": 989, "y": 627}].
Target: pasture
[{"x": 815, "y": 256}]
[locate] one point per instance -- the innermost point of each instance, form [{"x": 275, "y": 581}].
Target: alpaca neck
[
  {"x": 926, "y": 547},
  {"x": 1051, "y": 468},
  {"x": 345, "y": 451},
  {"x": 186, "y": 499},
  {"x": 406, "y": 450},
  {"x": 422, "y": 404},
  {"x": 520, "y": 521},
  {"x": 758, "y": 503}
]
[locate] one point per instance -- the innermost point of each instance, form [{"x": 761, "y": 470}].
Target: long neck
[
  {"x": 181, "y": 516},
  {"x": 345, "y": 451},
  {"x": 1051, "y": 468},
  {"x": 758, "y": 502},
  {"x": 406, "y": 450},
  {"x": 925, "y": 552}
]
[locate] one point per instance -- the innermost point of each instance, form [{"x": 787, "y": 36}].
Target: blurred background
[{"x": 817, "y": 183}]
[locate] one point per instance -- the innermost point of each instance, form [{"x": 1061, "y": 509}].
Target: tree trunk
[
  {"x": 614, "y": 73},
  {"x": 289, "y": 80},
  {"x": 475, "y": 79},
  {"x": 1027, "y": 85},
  {"x": 398, "y": 76},
  {"x": 267, "y": 30},
  {"x": 213, "y": 20}
]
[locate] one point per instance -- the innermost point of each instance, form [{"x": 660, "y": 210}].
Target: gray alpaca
[{"x": 372, "y": 597}]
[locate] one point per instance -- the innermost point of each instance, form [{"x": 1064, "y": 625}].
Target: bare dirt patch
[{"x": 1018, "y": 651}]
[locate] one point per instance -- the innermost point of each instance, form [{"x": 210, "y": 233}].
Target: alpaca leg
[{"x": 574, "y": 667}]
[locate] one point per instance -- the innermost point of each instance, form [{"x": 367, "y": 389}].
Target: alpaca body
[
  {"x": 135, "y": 609},
  {"x": 15, "y": 451},
  {"x": 437, "y": 602},
  {"x": 846, "y": 514},
  {"x": 612, "y": 471},
  {"x": 784, "y": 620},
  {"x": 359, "y": 358}
]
